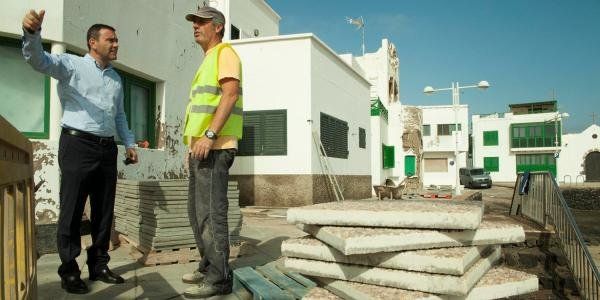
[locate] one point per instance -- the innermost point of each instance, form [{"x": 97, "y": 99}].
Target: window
[
  {"x": 490, "y": 138},
  {"x": 140, "y": 103},
  {"x": 264, "y": 133},
  {"x": 435, "y": 165},
  {"x": 426, "y": 130},
  {"x": 25, "y": 93},
  {"x": 491, "y": 164},
  {"x": 334, "y": 136},
  {"x": 362, "y": 138},
  {"x": 529, "y": 135},
  {"x": 388, "y": 156},
  {"x": 447, "y": 129},
  {"x": 235, "y": 33}
]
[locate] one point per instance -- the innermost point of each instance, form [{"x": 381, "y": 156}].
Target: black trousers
[
  {"x": 207, "y": 207},
  {"x": 88, "y": 168}
]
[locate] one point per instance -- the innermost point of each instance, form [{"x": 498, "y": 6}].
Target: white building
[
  {"x": 579, "y": 159},
  {"x": 381, "y": 70},
  {"x": 525, "y": 138},
  {"x": 440, "y": 139},
  {"x": 297, "y": 88}
]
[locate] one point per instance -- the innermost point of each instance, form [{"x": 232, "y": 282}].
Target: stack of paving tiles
[
  {"x": 153, "y": 215},
  {"x": 413, "y": 249}
]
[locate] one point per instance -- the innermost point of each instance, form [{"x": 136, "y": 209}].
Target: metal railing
[{"x": 544, "y": 204}]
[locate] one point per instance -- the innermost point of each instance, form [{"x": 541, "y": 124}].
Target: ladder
[{"x": 326, "y": 167}]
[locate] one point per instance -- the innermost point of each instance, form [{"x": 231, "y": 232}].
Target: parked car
[{"x": 475, "y": 177}]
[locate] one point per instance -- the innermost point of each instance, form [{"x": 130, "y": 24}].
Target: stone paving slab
[
  {"x": 499, "y": 282},
  {"x": 451, "y": 261},
  {"x": 362, "y": 240},
  {"x": 425, "y": 282},
  {"x": 435, "y": 214},
  {"x": 318, "y": 293}
]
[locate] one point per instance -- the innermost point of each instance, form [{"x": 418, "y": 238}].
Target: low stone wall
[
  {"x": 297, "y": 190},
  {"x": 545, "y": 259},
  {"x": 582, "y": 198}
]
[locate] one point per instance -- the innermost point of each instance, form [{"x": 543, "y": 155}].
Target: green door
[
  {"x": 409, "y": 165},
  {"x": 536, "y": 162}
]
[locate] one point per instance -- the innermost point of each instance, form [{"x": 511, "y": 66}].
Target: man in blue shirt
[{"x": 91, "y": 95}]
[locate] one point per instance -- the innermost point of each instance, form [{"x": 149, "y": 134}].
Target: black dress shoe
[
  {"x": 106, "y": 275},
  {"x": 73, "y": 284}
]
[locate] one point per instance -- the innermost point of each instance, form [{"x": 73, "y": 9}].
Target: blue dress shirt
[{"x": 91, "y": 97}]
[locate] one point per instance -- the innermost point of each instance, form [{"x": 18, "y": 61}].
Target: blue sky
[{"x": 526, "y": 49}]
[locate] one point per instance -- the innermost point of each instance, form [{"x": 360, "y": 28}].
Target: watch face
[{"x": 210, "y": 134}]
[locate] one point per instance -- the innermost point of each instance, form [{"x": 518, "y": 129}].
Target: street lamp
[
  {"x": 455, "y": 102},
  {"x": 555, "y": 119}
]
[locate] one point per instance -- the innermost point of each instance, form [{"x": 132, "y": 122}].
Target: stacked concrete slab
[
  {"x": 154, "y": 214},
  {"x": 424, "y": 249}
]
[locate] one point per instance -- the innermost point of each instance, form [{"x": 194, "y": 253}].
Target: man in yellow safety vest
[{"x": 213, "y": 125}]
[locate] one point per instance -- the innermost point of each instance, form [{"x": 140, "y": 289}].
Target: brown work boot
[{"x": 195, "y": 277}]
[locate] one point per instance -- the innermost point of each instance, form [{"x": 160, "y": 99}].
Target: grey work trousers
[{"x": 207, "y": 208}]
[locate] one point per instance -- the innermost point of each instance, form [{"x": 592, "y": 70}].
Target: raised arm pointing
[{"x": 32, "y": 21}]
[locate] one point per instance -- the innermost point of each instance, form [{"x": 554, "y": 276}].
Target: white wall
[
  {"x": 436, "y": 146},
  {"x": 378, "y": 134},
  {"x": 248, "y": 16},
  {"x": 506, "y": 161},
  {"x": 575, "y": 147},
  {"x": 442, "y": 178},
  {"x": 444, "y": 114},
  {"x": 276, "y": 75},
  {"x": 378, "y": 67},
  {"x": 302, "y": 75},
  {"x": 341, "y": 92}
]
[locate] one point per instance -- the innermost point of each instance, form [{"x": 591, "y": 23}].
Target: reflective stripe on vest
[
  {"x": 205, "y": 96},
  {"x": 208, "y": 109}
]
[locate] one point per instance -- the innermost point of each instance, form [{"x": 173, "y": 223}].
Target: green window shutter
[
  {"x": 491, "y": 164},
  {"x": 264, "y": 133},
  {"x": 409, "y": 165},
  {"x": 362, "y": 138},
  {"x": 334, "y": 136},
  {"x": 250, "y": 144},
  {"x": 388, "y": 156},
  {"x": 275, "y": 133},
  {"x": 490, "y": 138}
]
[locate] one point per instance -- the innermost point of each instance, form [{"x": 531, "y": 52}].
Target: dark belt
[{"x": 88, "y": 136}]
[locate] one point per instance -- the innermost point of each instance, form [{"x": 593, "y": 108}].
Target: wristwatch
[{"x": 210, "y": 134}]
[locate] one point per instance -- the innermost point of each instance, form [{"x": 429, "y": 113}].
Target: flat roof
[
  {"x": 309, "y": 36},
  {"x": 553, "y": 102}
]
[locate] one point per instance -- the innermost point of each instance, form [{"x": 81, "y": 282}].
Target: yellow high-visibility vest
[{"x": 205, "y": 96}]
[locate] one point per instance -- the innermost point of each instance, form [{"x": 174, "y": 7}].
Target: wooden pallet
[
  {"x": 270, "y": 281},
  {"x": 183, "y": 255}
]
